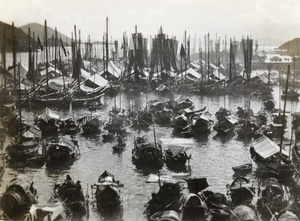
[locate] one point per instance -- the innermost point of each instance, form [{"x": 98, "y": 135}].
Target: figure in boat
[
  {"x": 70, "y": 193},
  {"x": 107, "y": 193},
  {"x": 120, "y": 145},
  {"x": 175, "y": 153},
  {"x": 173, "y": 200},
  {"x": 147, "y": 154},
  {"x": 61, "y": 149}
]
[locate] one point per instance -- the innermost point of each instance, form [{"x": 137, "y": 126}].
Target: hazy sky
[{"x": 278, "y": 19}]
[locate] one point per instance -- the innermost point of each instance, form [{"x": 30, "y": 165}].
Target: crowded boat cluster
[{"x": 85, "y": 81}]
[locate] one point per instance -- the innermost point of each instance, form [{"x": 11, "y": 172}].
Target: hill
[
  {"x": 291, "y": 47},
  {"x": 39, "y": 30},
  {"x": 21, "y": 38}
]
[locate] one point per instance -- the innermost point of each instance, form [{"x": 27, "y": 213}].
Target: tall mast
[
  {"x": 14, "y": 56},
  {"x": 78, "y": 66},
  {"x": 29, "y": 54},
  {"x": 55, "y": 43},
  {"x": 61, "y": 67},
  {"x": 230, "y": 58},
  {"x": 208, "y": 56},
  {"x": 284, "y": 106},
  {"x": 75, "y": 35},
  {"x": 294, "y": 68},
  {"x": 52, "y": 46},
  {"x": 33, "y": 61},
  {"x": 46, "y": 43},
  {"x": 200, "y": 58},
  {"x": 124, "y": 45},
  {"x": 104, "y": 68},
  {"x": 107, "y": 58},
  {"x": 185, "y": 57},
  {"x": 205, "y": 46},
  {"x": 20, "y": 112},
  {"x": 4, "y": 59}
]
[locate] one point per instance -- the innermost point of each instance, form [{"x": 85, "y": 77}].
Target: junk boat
[
  {"x": 147, "y": 154},
  {"x": 175, "y": 155},
  {"x": 268, "y": 158},
  {"x": 106, "y": 192},
  {"x": 20, "y": 194},
  {"x": 71, "y": 196},
  {"x": 62, "y": 148}
]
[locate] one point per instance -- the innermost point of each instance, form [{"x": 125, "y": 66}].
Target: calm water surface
[{"x": 212, "y": 157}]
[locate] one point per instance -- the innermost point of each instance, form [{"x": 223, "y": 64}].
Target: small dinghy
[
  {"x": 243, "y": 168},
  {"x": 119, "y": 147}
]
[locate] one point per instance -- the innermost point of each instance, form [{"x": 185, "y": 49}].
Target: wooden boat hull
[
  {"x": 119, "y": 147},
  {"x": 107, "y": 194},
  {"x": 18, "y": 197},
  {"x": 148, "y": 156},
  {"x": 61, "y": 149},
  {"x": 57, "y": 152},
  {"x": 22, "y": 151},
  {"x": 91, "y": 125},
  {"x": 176, "y": 161},
  {"x": 108, "y": 137},
  {"x": 107, "y": 197},
  {"x": 220, "y": 214},
  {"x": 243, "y": 168}
]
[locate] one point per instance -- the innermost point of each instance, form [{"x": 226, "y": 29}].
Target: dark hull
[
  {"x": 90, "y": 124},
  {"x": 22, "y": 151},
  {"x": 220, "y": 214},
  {"x": 60, "y": 153},
  {"x": 176, "y": 161},
  {"x": 243, "y": 168},
  {"x": 107, "y": 198},
  {"x": 119, "y": 147},
  {"x": 147, "y": 156},
  {"x": 108, "y": 137},
  {"x": 65, "y": 101}
]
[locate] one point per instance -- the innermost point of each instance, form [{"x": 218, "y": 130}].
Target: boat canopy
[
  {"x": 266, "y": 148},
  {"x": 195, "y": 65},
  {"x": 231, "y": 120},
  {"x": 218, "y": 74},
  {"x": 65, "y": 141},
  {"x": 205, "y": 117},
  {"x": 114, "y": 70},
  {"x": 52, "y": 211},
  {"x": 194, "y": 74},
  {"x": 96, "y": 78},
  {"x": 177, "y": 145},
  {"x": 48, "y": 114},
  {"x": 58, "y": 83},
  {"x": 51, "y": 70},
  {"x": 196, "y": 185},
  {"x": 32, "y": 132}
]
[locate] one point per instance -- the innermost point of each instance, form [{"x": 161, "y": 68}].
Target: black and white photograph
[{"x": 158, "y": 110}]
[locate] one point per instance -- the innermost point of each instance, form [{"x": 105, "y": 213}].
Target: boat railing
[{"x": 297, "y": 163}]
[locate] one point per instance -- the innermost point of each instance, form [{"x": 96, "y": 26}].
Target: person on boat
[
  {"x": 120, "y": 141},
  {"x": 74, "y": 140},
  {"x": 78, "y": 186},
  {"x": 69, "y": 181}
]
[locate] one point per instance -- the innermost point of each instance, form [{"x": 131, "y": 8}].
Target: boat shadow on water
[
  {"x": 226, "y": 137},
  {"x": 114, "y": 215},
  {"x": 36, "y": 162},
  {"x": 56, "y": 167}
]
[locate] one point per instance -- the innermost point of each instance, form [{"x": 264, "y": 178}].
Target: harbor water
[{"x": 212, "y": 156}]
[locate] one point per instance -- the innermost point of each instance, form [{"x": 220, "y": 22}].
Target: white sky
[{"x": 278, "y": 19}]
